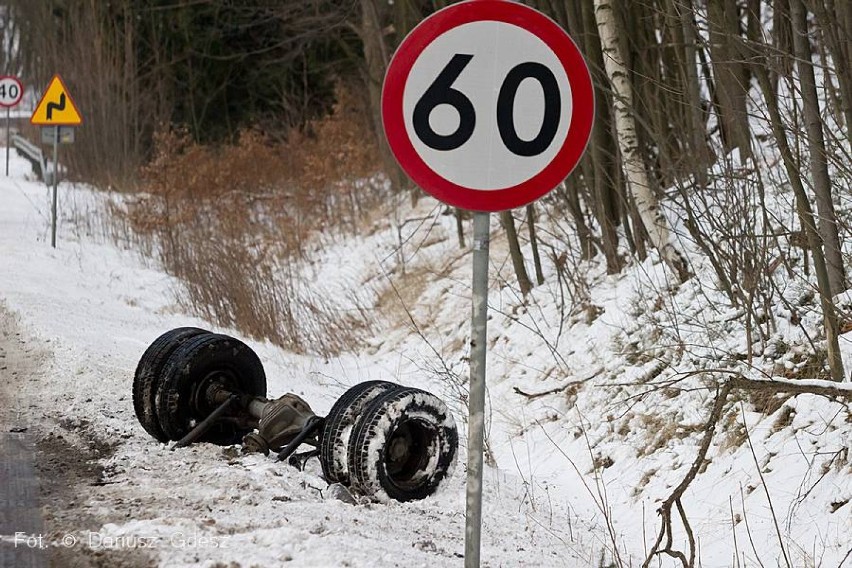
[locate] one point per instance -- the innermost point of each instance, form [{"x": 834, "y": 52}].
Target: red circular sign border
[
  {"x": 566, "y": 51},
  {"x": 21, "y": 88}
]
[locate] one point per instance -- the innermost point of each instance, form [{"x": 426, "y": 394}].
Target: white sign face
[
  {"x": 11, "y": 91},
  {"x": 487, "y": 105},
  {"x": 484, "y": 161}
]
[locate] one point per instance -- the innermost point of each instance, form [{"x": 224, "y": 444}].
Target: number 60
[{"x": 441, "y": 92}]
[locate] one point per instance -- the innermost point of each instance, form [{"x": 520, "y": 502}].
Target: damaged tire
[
  {"x": 338, "y": 425},
  {"x": 404, "y": 445},
  {"x": 147, "y": 378},
  {"x": 196, "y": 368}
]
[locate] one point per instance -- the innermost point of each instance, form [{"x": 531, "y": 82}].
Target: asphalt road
[{"x": 22, "y": 533}]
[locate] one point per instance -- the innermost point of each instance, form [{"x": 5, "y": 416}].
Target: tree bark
[
  {"x": 732, "y": 77},
  {"x": 836, "y": 23},
  {"x": 637, "y": 177},
  {"x": 602, "y": 148},
  {"x": 457, "y": 213},
  {"x": 376, "y": 59},
  {"x": 508, "y": 222},
  {"x": 646, "y": 51},
  {"x": 584, "y": 233},
  {"x": 827, "y": 226},
  {"x": 539, "y": 274},
  {"x": 698, "y": 126}
]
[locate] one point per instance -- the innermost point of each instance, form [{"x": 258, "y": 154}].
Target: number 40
[
  {"x": 12, "y": 91},
  {"x": 441, "y": 92}
]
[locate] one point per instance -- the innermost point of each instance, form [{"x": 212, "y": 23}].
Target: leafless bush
[{"x": 235, "y": 223}]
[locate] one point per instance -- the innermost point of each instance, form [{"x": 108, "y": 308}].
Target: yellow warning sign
[{"x": 56, "y": 107}]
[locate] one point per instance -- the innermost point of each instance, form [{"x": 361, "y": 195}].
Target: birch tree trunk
[
  {"x": 638, "y": 182},
  {"x": 607, "y": 191}
]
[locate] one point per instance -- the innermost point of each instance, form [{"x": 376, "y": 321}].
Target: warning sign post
[{"x": 57, "y": 114}]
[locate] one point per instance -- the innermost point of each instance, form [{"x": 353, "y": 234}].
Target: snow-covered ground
[{"x": 580, "y": 461}]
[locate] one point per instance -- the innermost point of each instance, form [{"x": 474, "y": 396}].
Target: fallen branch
[
  {"x": 734, "y": 381},
  {"x": 828, "y": 389},
  {"x": 566, "y": 386},
  {"x": 665, "y": 510}
]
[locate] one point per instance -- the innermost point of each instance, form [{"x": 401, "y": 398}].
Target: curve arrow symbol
[{"x": 55, "y": 106}]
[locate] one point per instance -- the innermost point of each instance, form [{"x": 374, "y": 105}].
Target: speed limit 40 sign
[
  {"x": 11, "y": 91},
  {"x": 487, "y": 105}
]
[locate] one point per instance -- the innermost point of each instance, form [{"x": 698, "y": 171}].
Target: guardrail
[{"x": 35, "y": 156}]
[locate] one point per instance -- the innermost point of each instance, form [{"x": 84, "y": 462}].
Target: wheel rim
[
  {"x": 200, "y": 403},
  {"x": 192, "y": 375},
  {"x": 408, "y": 451}
]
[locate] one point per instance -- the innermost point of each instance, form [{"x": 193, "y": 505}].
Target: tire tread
[{"x": 148, "y": 375}]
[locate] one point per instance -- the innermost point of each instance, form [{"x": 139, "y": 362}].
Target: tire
[
  {"x": 338, "y": 426},
  {"x": 148, "y": 376},
  {"x": 190, "y": 369},
  {"x": 416, "y": 426}
]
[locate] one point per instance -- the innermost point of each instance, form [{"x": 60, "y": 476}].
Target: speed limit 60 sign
[
  {"x": 487, "y": 105},
  {"x": 11, "y": 91}
]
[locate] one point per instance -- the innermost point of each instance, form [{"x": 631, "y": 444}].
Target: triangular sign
[{"x": 56, "y": 107}]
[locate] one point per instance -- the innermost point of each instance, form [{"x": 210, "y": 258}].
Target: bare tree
[
  {"x": 637, "y": 177},
  {"x": 539, "y": 274},
  {"x": 834, "y": 20},
  {"x": 731, "y": 74},
  {"x": 10, "y": 63},
  {"x": 606, "y": 188},
  {"x": 508, "y": 222},
  {"x": 377, "y": 53},
  {"x": 827, "y": 226},
  {"x": 806, "y": 218}
]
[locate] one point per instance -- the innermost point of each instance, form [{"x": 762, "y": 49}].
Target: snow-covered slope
[
  {"x": 587, "y": 434},
  {"x": 97, "y": 308}
]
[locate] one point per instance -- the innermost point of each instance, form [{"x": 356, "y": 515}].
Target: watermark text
[{"x": 104, "y": 541}]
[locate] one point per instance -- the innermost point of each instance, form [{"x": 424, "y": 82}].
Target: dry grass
[
  {"x": 237, "y": 223},
  {"x": 734, "y": 433}
]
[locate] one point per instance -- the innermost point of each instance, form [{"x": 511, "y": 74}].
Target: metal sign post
[
  {"x": 476, "y": 396},
  {"x": 55, "y": 184},
  {"x": 457, "y": 124},
  {"x": 56, "y": 112},
  {"x": 8, "y": 136}
]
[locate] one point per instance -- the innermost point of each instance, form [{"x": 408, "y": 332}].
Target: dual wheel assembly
[{"x": 379, "y": 438}]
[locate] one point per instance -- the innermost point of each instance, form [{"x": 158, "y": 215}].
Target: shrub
[{"x": 234, "y": 223}]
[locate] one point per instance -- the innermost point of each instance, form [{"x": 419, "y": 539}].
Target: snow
[
  {"x": 98, "y": 307},
  {"x": 576, "y": 475}
]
